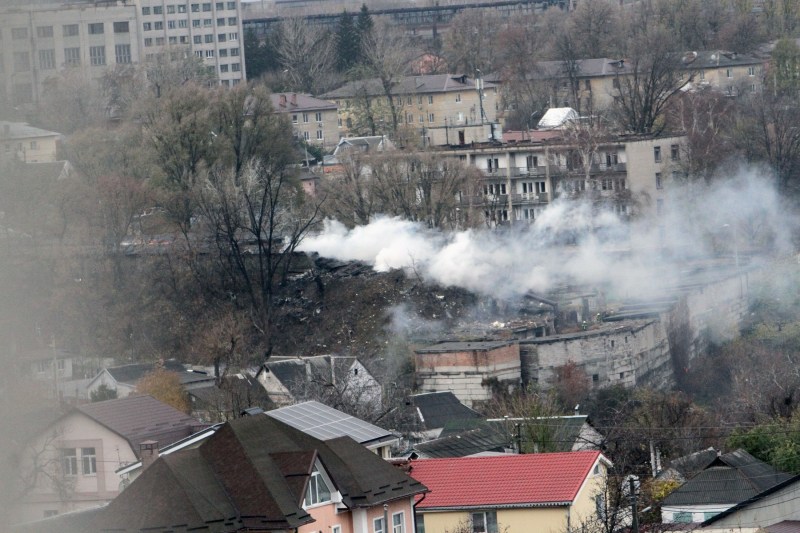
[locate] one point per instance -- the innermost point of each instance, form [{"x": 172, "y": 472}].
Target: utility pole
[{"x": 634, "y": 511}]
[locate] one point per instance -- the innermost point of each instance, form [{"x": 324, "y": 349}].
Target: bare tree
[
  {"x": 471, "y": 43},
  {"x": 307, "y": 53}
]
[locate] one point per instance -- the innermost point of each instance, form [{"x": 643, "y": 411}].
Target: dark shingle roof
[
  {"x": 729, "y": 479},
  {"x": 438, "y": 408},
  {"x": 474, "y": 441},
  {"x": 139, "y": 418}
]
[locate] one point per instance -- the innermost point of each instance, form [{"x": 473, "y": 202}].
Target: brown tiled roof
[{"x": 139, "y": 418}]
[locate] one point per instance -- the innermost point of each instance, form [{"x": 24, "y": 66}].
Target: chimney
[
  {"x": 283, "y": 100},
  {"x": 294, "y": 98},
  {"x": 148, "y": 451}
]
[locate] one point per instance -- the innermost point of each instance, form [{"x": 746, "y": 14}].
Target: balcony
[{"x": 530, "y": 198}]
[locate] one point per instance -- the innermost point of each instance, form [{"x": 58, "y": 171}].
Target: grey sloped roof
[
  {"x": 297, "y": 102},
  {"x": 430, "y": 83},
  {"x": 130, "y": 374},
  {"x": 323, "y": 422},
  {"x": 438, "y": 408},
  {"x": 22, "y": 130},
  {"x": 470, "y": 442},
  {"x": 718, "y": 58},
  {"x": 729, "y": 479},
  {"x": 689, "y": 465}
]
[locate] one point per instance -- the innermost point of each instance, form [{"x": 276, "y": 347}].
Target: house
[
  {"x": 729, "y": 72},
  {"x": 235, "y": 393},
  {"x": 507, "y": 435},
  {"x": 123, "y": 378},
  {"x": 441, "y": 109},
  {"x": 529, "y": 493},
  {"x": 28, "y": 143},
  {"x": 313, "y": 418},
  {"x": 434, "y": 410},
  {"x": 726, "y": 481},
  {"x": 313, "y": 120},
  {"x": 773, "y": 510},
  {"x": 258, "y": 474},
  {"x": 469, "y": 370},
  {"x": 330, "y": 378},
  {"x": 71, "y": 464}
]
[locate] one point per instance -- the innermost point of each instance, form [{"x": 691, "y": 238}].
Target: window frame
[
  {"x": 89, "y": 461},
  {"x": 69, "y": 461}
]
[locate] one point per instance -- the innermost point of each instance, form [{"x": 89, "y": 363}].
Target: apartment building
[
  {"x": 729, "y": 72},
  {"x": 313, "y": 120},
  {"x": 625, "y": 174},
  {"x": 443, "y": 109},
  {"x": 39, "y": 39}
]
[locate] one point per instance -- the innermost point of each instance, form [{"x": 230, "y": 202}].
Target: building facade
[
  {"x": 313, "y": 120},
  {"x": 39, "y": 40}
]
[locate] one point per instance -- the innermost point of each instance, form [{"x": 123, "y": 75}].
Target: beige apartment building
[
  {"x": 627, "y": 175},
  {"x": 441, "y": 109},
  {"x": 728, "y": 72},
  {"x": 313, "y": 120},
  {"x": 38, "y": 39}
]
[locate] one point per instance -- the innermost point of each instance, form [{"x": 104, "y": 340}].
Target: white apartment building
[{"x": 38, "y": 39}]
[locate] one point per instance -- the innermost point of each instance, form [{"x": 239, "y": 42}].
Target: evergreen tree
[
  {"x": 347, "y": 43},
  {"x": 364, "y": 27}
]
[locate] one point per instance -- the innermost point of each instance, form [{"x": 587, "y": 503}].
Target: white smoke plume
[{"x": 569, "y": 244}]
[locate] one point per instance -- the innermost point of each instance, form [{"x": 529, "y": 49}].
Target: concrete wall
[
  {"x": 626, "y": 354},
  {"x": 467, "y": 373}
]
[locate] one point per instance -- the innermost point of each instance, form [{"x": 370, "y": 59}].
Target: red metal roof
[{"x": 530, "y": 479}]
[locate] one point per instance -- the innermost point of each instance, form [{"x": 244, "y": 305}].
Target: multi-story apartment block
[
  {"x": 37, "y": 40},
  {"x": 444, "y": 109},
  {"x": 729, "y": 72},
  {"x": 313, "y": 120},
  {"x": 627, "y": 175}
]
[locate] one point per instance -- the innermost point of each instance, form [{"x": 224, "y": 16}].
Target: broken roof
[
  {"x": 449, "y": 346},
  {"x": 435, "y": 409}
]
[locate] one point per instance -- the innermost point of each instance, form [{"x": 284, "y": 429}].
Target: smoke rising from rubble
[{"x": 569, "y": 244}]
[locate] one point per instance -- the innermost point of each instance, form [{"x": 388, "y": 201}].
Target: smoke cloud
[{"x": 572, "y": 243}]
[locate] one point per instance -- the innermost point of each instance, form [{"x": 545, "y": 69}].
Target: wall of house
[
  {"x": 467, "y": 373},
  {"x": 306, "y": 126},
  {"x": 629, "y": 354},
  {"x": 40, "y": 149},
  {"x": 104, "y": 378},
  {"x": 275, "y": 389},
  {"x": 361, "y": 520},
  {"x": 648, "y": 190},
  {"x": 80, "y": 491},
  {"x": 698, "y": 513},
  {"x": 730, "y": 80},
  {"x": 777, "y": 507}
]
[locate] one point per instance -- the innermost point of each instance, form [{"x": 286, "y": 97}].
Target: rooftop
[
  {"x": 451, "y": 346},
  {"x": 429, "y": 83},
  {"x": 22, "y": 130},
  {"x": 435, "y": 409},
  {"x": 291, "y": 102}
]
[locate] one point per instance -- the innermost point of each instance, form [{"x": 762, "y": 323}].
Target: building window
[
  {"x": 223, "y": 68},
  {"x": 221, "y": 21},
  {"x": 209, "y": 54},
  {"x": 69, "y": 30},
  {"x": 171, "y": 24},
  {"x": 147, "y": 26},
  {"x": 207, "y": 23},
  {"x": 122, "y": 52},
  {"x": 195, "y": 8},
  {"x": 378, "y": 526},
  {"x": 121, "y": 27},
  {"x": 231, "y": 5},
  {"x": 22, "y": 62},
  {"x": 430, "y": 99},
  {"x": 657, "y": 154},
  {"x": 198, "y": 39},
  {"x": 158, "y": 10},
  {"x": 336, "y": 529},
  {"x": 430, "y": 117},
  {"x": 751, "y": 71},
  {"x": 398, "y": 522},
  {"x": 170, "y": 9},
  {"x": 97, "y": 55},
  {"x": 69, "y": 461},
  {"x": 234, "y": 51},
  {"x": 318, "y": 116},
  {"x": 231, "y": 21},
  {"x": 485, "y": 522},
  {"x": 72, "y": 56},
  {"x": 207, "y": 7},
  {"x": 145, "y": 10},
  {"x": 196, "y": 23},
  {"x": 159, "y": 41},
  {"x": 44, "y": 32},
  {"x": 88, "y": 461},
  {"x": 208, "y": 38},
  {"x": 317, "y": 490},
  {"x": 220, "y": 6},
  {"x": 682, "y": 517},
  {"x": 221, "y": 37},
  {"x": 181, "y": 8},
  {"x": 660, "y": 206},
  {"x": 675, "y": 152},
  {"x": 19, "y": 33},
  {"x": 158, "y": 25},
  {"x": 319, "y": 135},
  {"x": 729, "y": 72},
  {"x": 233, "y": 36},
  {"x": 183, "y": 23},
  {"x": 339, "y": 122},
  {"x": 96, "y": 28},
  {"x": 458, "y": 97},
  {"x": 421, "y": 118},
  {"x": 223, "y": 52},
  {"x": 294, "y": 119},
  {"x": 47, "y": 59},
  {"x": 702, "y": 74},
  {"x": 659, "y": 183}
]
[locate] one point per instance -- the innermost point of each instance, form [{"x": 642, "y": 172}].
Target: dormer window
[{"x": 317, "y": 491}]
